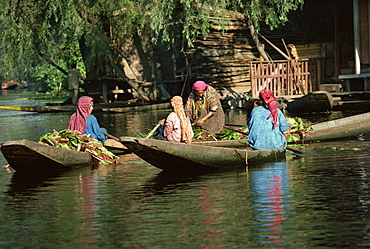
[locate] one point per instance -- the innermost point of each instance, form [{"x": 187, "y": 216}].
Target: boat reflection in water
[{"x": 269, "y": 197}]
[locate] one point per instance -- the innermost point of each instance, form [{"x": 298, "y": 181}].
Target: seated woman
[
  {"x": 266, "y": 124},
  {"x": 177, "y": 126},
  {"x": 204, "y": 108},
  {"x": 83, "y": 121}
]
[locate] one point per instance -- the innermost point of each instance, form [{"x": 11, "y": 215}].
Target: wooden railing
[{"x": 285, "y": 77}]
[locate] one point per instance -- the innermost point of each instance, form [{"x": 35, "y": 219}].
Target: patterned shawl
[
  {"x": 197, "y": 107},
  {"x": 270, "y": 100},
  {"x": 178, "y": 108},
  {"x": 78, "y": 119}
]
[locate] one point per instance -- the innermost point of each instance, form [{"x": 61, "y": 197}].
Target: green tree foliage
[
  {"x": 49, "y": 78},
  {"x": 272, "y": 12},
  {"x": 64, "y": 31},
  {"x": 186, "y": 19},
  {"x": 181, "y": 21}
]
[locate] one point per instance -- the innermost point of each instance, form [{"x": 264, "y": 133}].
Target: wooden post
[
  {"x": 356, "y": 32},
  {"x": 336, "y": 39},
  {"x": 104, "y": 91}
]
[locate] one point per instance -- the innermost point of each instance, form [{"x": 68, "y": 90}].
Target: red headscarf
[
  {"x": 270, "y": 100},
  {"x": 78, "y": 119},
  {"x": 199, "y": 86}
]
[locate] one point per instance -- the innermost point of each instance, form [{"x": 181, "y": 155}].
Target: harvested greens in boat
[
  {"x": 300, "y": 127},
  {"x": 74, "y": 140}
]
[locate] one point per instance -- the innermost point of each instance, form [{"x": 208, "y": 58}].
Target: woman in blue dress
[
  {"x": 83, "y": 121},
  {"x": 267, "y": 123}
]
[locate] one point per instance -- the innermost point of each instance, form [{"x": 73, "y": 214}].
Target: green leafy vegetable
[
  {"x": 203, "y": 135},
  {"x": 74, "y": 140},
  {"x": 298, "y": 129}
]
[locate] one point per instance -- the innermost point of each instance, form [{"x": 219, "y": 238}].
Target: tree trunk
[
  {"x": 52, "y": 63},
  {"x": 124, "y": 57},
  {"x": 256, "y": 40},
  {"x": 131, "y": 82}
]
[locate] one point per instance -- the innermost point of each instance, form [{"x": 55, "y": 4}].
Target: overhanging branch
[{"x": 52, "y": 63}]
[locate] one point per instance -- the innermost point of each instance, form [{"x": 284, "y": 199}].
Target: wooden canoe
[
  {"x": 340, "y": 128},
  {"x": 319, "y": 101},
  {"x": 171, "y": 156},
  {"x": 28, "y": 156}
]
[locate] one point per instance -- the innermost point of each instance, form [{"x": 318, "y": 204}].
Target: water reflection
[
  {"x": 317, "y": 201},
  {"x": 90, "y": 188},
  {"x": 298, "y": 203},
  {"x": 270, "y": 187},
  {"x": 168, "y": 182},
  {"x": 21, "y": 184}
]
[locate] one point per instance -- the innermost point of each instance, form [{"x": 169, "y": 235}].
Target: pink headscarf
[
  {"x": 199, "y": 86},
  {"x": 270, "y": 100},
  {"x": 78, "y": 119}
]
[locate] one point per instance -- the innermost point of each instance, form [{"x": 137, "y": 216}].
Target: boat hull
[
  {"x": 29, "y": 156},
  {"x": 319, "y": 101},
  {"x": 340, "y": 128},
  {"x": 171, "y": 156}
]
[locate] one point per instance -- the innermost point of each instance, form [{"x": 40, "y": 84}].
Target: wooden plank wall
[{"x": 222, "y": 58}]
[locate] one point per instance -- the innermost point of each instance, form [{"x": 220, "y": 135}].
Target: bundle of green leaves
[
  {"x": 233, "y": 135},
  {"x": 299, "y": 129},
  {"x": 203, "y": 135},
  {"x": 74, "y": 140}
]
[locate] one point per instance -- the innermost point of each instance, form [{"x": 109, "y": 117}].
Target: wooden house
[
  {"x": 227, "y": 59},
  {"x": 352, "y": 44}
]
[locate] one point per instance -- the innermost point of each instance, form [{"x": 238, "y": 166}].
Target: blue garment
[
  {"x": 161, "y": 132},
  {"x": 262, "y": 136},
  {"x": 93, "y": 128}
]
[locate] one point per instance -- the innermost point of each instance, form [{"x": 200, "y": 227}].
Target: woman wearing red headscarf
[
  {"x": 204, "y": 108},
  {"x": 83, "y": 121},
  {"x": 266, "y": 124}
]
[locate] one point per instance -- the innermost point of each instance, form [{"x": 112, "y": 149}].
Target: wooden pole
[{"x": 356, "y": 32}]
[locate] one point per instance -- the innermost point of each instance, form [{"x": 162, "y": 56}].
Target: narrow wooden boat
[
  {"x": 342, "y": 128},
  {"x": 12, "y": 87},
  {"x": 319, "y": 101},
  {"x": 29, "y": 156},
  {"x": 171, "y": 156}
]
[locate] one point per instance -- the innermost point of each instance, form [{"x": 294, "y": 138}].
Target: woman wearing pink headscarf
[
  {"x": 266, "y": 124},
  {"x": 83, "y": 121},
  {"x": 204, "y": 108}
]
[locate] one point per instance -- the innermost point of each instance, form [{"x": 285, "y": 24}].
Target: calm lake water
[{"x": 321, "y": 200}]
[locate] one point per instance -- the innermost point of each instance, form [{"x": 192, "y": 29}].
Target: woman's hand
[
  {"x": 161, "y": 122},
  {"x": 200, "y": 122}
]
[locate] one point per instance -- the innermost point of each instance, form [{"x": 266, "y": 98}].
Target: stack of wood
[
  {"x": 323, "y": 53},
  {"x": 222, "y": 57},
  {"x": 310, "y": 51}
]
